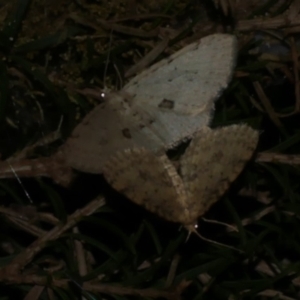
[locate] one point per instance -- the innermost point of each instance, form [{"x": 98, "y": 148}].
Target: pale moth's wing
[
  {"x": 200, "y": 70},
  {"x": 111, "y": 127},
  {"x": 179, "y": 92},
  {"x": 213, "y": 160},
  {"x": 149, "y": 181}
]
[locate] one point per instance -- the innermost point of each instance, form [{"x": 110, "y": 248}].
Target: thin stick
[{"x": 23, "y": 258}]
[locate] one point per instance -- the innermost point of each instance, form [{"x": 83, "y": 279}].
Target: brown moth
[{"x": 212, "y": 161}]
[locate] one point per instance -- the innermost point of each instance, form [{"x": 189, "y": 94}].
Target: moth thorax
[
  {"x": 117, "y": 101},
  {"x": 175, "y": 178}
]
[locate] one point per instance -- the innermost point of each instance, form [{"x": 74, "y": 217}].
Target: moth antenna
[
  {"x": 107, "y": 60},
  {"x": 119, "y": 76},
  {"x": 188, "y": 236},
  {"x": 220, "y": 223},
  {"x": 194, "y": 230}
]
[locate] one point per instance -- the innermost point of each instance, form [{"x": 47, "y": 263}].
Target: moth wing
[
  {"x": 190, "y": 80},
  {"x": 179, "y": 92},
  {"x": 213, "y": 160},
  {"x": 110, "y": 127},
  {"x": 114, "y": 126},
  {"x": 149, "y": 181},
  {"x": 172, "y": 128}
]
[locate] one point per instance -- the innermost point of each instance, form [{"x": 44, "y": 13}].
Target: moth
[
  {"x": 157, "y": 109},
  {"x": 214, "y": 159}
]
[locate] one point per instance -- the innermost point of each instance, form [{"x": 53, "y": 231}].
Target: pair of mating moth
[{"x": 126, "y": 137}]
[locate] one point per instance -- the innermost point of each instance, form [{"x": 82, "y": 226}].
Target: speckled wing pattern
[
  {"x": 149, "y": 181},
  {"x": 212, "y": 161},
  {"x": 158, "y": 108}
]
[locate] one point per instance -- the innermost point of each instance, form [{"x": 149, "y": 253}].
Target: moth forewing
[{"x": 213, "y": 160}]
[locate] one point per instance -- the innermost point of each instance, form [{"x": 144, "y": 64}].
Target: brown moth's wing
[
  {"x": 213, "y": 160},
  {"x": 149, "y": 181}
]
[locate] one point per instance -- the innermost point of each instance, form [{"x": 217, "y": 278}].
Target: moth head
[{"x": 191, "y": 228}]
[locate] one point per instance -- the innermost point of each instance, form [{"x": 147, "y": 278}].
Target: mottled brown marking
[
  {"x": 207, "y": 168},
  {"x": 168, "y": 104},
  {"x": 126, "y": 133}
]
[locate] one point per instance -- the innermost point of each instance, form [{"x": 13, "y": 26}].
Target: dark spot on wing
[
  {"x": 219, "y": 155},
  {"x": 144, "y": 175},
  {"x": 165, "y": 103},
  {"x": 126, "y": 133}
]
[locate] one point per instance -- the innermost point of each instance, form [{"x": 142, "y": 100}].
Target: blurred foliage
[{"x": 51, "y": 51}]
